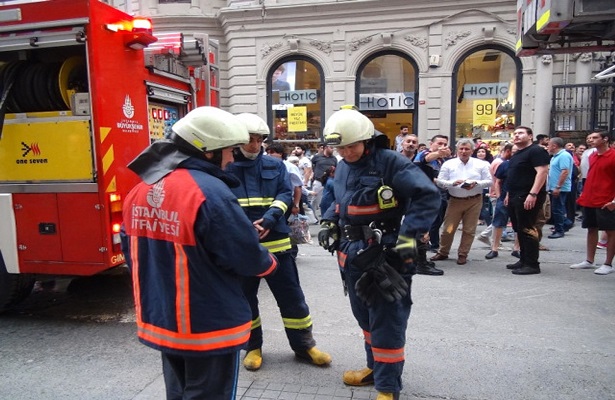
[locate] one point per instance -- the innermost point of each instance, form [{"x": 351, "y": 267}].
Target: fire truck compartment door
[
  {"x": 82, "y": 233},
  {"x": 49, "y": 151},
  {"x": 39, "y": 234},
  {"x": 8, "y": 233},
  {"x": 62, "y": 227}
]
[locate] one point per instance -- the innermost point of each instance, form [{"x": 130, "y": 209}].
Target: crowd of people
[
  {"x": 226, "y": 195},
  {"x": 547, "y": 185}
]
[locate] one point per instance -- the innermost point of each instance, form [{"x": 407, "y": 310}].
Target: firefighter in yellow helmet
[
  {"x": 187, "y": 243},
  {"x": 374, "y": 188},
  {"x": 265, "y": 194}
]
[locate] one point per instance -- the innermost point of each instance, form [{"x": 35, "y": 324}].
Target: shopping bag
[{"x": 299, "y": 229}]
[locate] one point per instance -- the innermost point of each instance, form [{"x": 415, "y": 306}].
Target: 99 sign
[{"x": 484, "y": 109}]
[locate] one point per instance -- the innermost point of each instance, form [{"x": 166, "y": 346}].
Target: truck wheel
[{"x": 14, "y": 288}]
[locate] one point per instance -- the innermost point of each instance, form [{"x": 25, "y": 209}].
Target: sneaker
[
  {"x": 484, "y": 239},
  {"x": 515, "y": 253},
  {"x": 601, "y": 245},
  {"x": 583, "y": 265},
  {"x": 604, "y": 270}
]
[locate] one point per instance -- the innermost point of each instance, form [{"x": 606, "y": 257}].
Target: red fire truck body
[{"x": 77, "y": 104}]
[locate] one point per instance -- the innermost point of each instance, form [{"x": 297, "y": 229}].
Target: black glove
[
  {"x": 382, "y": 282},
  {"x": 379, "y": 279},
  {"x": 329, "y": 236},
  {"x": 406, "y": 247}
]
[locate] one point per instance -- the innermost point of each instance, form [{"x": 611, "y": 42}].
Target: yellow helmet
[
  {"x": 255, "y": 124},
  {"x": 347, "y": 126},
  {"x": 210, "y": 128}
]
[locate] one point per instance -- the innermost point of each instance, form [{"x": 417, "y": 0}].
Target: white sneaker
[
  {"x": 604, "y": 270},
  {"x": 484, "y": 239},
  {"x": 583, "y": 265}
]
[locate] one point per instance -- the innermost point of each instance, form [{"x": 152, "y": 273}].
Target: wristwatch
[
  {"x": 533, "y": 194},
  {"x": 558, "y": 187}
]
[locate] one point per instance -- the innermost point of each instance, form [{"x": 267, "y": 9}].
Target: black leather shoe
[
  {"x": 428, "y": 269},
  {"x": 525, "y": 270},
  {"x": 515, "y": 253},
  {"x": 556, "y": 235},
  {"x": 516, "y": 265},
  {"x": 491, "y": 254}
]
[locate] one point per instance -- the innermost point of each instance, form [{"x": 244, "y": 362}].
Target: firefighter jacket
[
  {"x": 189, "y": 242},
  {"x": 361, "y": 191},
  {"x": 264, "y": 192}
]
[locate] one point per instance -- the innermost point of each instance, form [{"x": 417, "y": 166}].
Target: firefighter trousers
[
  {"x": 384, "y": 328},
  {"x": 201, "y": 377},
  {"x": 285, "y": 286}
]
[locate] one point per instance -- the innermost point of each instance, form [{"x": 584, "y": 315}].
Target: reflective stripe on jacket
[{"x": 190, "y": 242}]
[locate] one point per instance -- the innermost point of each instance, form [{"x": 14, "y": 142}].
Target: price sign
[
  {"x": 483, "y": 112},
  {"x": 297, "y": 119}
]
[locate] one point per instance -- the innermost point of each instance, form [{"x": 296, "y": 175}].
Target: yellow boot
[
  {"x": 387, "y": 396},
  {"x": 361, "y": 377},
  {"x": 315, "y": 356},
  {"x": 253, "y": 360}
]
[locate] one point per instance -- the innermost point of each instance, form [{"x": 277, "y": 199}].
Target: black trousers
[
  {"x": 201, "y": 378},
  {"x": 523, "y": 222}
]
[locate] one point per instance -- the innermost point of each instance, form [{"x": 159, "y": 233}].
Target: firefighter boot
[
  {"x": 387, "y": 396},
  {"x": 314, "y": 356},
  {"x": 253, "y": 360},
  {"x": 361, "y": 377}
]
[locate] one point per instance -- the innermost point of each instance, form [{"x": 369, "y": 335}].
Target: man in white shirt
[
  {"x": 464, "y": 177},
  {"x": 399, "y": 139},
  {"x": 305, "y": 165}
]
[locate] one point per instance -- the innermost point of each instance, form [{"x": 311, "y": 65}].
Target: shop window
[
  {"x": 296, "y": 102},
  {"x": 386, "y": 88},
  {"x": 487, "y": 96}
]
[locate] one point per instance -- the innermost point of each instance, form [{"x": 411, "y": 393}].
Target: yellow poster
[
  {"x": 483, "y": 112},
  {"x": 297, "y": 119}
]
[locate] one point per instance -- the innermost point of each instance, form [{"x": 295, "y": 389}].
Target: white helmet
[
  {"x": 210, "y": 128},
  {"x": 347, "y": 126},
  {"x": 255, "y": 124}
]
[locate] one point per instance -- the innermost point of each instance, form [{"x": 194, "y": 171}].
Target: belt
[
  {"x": 366, "y": 232},
  {"x": 467, "y": 198}
]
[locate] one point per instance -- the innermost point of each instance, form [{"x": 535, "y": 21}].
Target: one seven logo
[{"x": 33, "y": 147}]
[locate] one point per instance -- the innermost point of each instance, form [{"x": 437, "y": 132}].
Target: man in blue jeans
[{"x": 559, "y": 184}]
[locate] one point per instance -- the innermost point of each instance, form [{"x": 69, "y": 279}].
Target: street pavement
[{"x": 476, "y": 333}]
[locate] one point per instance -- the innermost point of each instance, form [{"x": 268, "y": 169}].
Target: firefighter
[
  {"x": 265, "y": 194},
  {"x": 187, "y": 242},
  {"x": 374, "y": 188}
]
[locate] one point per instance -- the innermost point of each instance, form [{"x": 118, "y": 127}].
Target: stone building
[{"x": 439, "y": 67}]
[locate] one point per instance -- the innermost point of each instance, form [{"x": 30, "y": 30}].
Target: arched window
[
  {"x": 486, "y": 95},
  {"x": 387, "y": 90},
  {"x": 296, "y": 101}
]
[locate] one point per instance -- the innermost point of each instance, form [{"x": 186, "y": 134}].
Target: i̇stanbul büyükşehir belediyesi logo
[
  {"x": 155, "y": 196},
  {"x": 128, "y": 108}
]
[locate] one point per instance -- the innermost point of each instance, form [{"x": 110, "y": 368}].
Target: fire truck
[{"x": 84, "y": 88}]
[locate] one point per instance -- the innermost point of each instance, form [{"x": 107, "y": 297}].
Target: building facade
[{"x": 446, "y": 67}]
